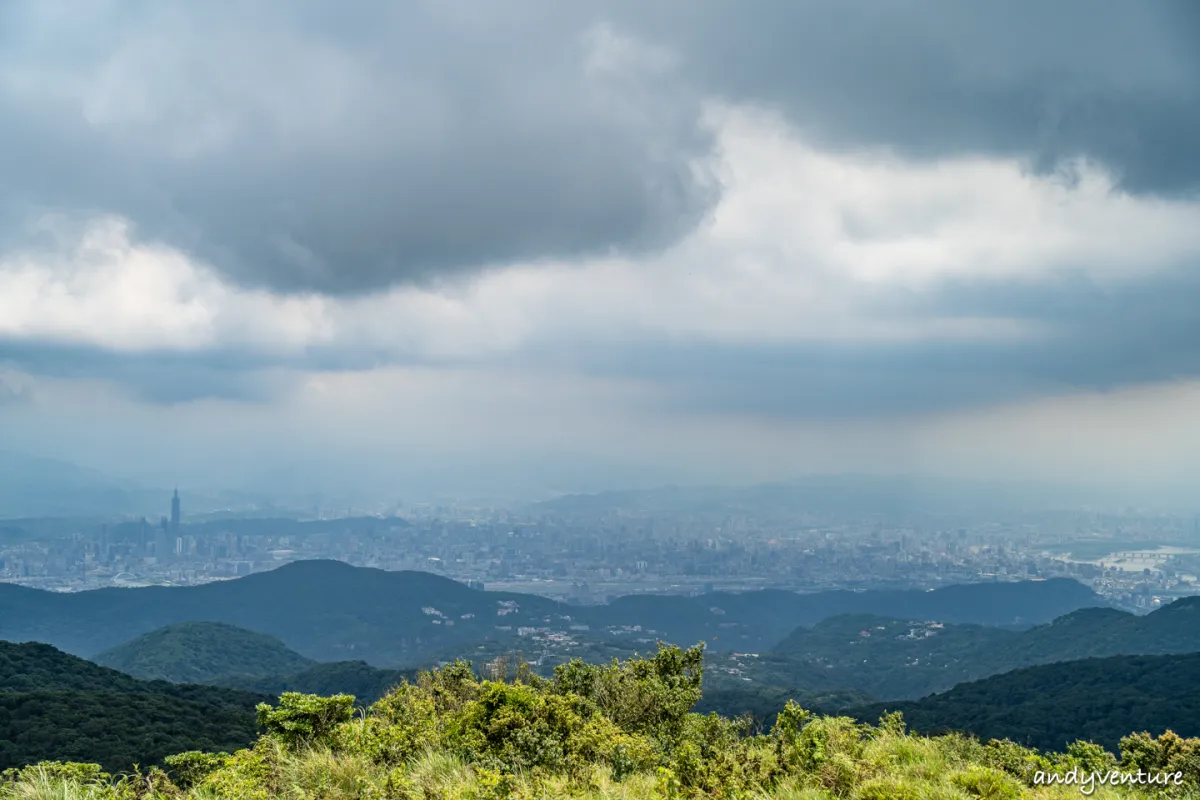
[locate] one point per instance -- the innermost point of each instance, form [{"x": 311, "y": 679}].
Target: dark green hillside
[
  {"x": 330, "y": 611},
  {"x": 33, "y": 666},
  {"x": 897, "y": 659},
  {"x": 763, "y": 703},
  {"x": 893, "y": 658},
  {"x": 201, "y": 652},
  {"x": 58, "y": 706},
  {"x": 1098, "y": 699},
  {"x": 358, "y": 678},
  {"x": 115, "y": 729}
]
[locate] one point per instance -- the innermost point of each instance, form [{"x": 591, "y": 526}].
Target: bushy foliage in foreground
[{"x": 623, "y": 730}]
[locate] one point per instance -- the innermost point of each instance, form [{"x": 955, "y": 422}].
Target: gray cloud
[
  {"x": 1107, "y": 334},
  {"x": 14, "y": 387},
  {"x": 1116, "y": 81},
  {"x": 158, "y": 378},
  {"x": 1093, "y": 336},
  {"x": 299, "y": 149},
  {"x": 298, "y": 146},
  {"x": 824, "y": 381}
]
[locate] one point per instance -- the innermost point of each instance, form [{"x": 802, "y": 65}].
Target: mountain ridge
[
  {"x": 907, "y": 659},
  {"x": 201, "y": 652},
  {"x": 330, "y": 611}
]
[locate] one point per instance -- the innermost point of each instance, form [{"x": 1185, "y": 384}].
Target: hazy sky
[{"x": 533, "y": 244}]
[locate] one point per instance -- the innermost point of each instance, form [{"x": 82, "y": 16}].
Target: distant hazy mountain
[
  {"x": 42, "y": 487},
  {"x": 833, "y": 494},
  {"x": 54, "y": 706},
  {"x": 31, "y": 487},
  {"x": 1049, "y": 706},
  {"x": 330, "y": 611},
  {"x": 755, "y": 621},
  {"x": 201, "y": 652},
  {"x": 892, "y": 658}
]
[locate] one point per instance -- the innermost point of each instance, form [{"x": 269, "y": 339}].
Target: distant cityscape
[{"x": 1136, "y": 561}]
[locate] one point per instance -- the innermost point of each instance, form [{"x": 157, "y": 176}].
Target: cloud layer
[
  {"x": 694, "y": 228},
  {"x": 295, "y": 146},
  {"x": 822, "y": 284}
]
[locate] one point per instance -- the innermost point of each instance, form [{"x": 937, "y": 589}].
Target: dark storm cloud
[
  {"x": 301, "y": 144},
  {"x": 1113, "y": 80}
]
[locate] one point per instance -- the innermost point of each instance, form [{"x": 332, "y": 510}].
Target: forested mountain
[
  {"x": 330, "y": 611},
  {"x": 201, "y": 652},
  {"x": 1049, "y": 706},
  {"x": 325, "y": 610},
  {"x": 755, "y": 621},
  {"x": 57, "y": 706},
  {"x": 897, "y": 659}
]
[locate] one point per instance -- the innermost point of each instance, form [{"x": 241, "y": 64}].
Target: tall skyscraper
[{"x": 175, "y": 511}]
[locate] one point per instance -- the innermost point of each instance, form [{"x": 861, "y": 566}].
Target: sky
[{"x": 465, "y": 246}]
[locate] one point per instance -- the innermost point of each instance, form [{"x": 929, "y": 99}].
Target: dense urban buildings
[{"x": 1137, "y": 561}]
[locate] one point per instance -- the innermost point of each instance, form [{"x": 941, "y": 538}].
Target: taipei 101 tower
[{"x": 175, "y": 511}]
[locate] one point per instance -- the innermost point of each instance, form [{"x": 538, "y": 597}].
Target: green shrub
[
  {"x": 252, "y": 774},
  {"x": 397, "y": 727},
  {"x": 1020, "y": 762},
  {"x": 715, "y": 756},
  {"x": 1167, "y": 753},
  {"x": 450, "y": 688},
  {"x": 819, "y": 740},
  {"x": 1086, "y": 756},
  {"x": 987, "y": 783},
  {"x": 888, "y": 788},
  {"x": 492, "y": 785},
  {"x": 650, "y": 697},
  {"x": 305, "y": 719},
  {"x": 191, "y": 768}
]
